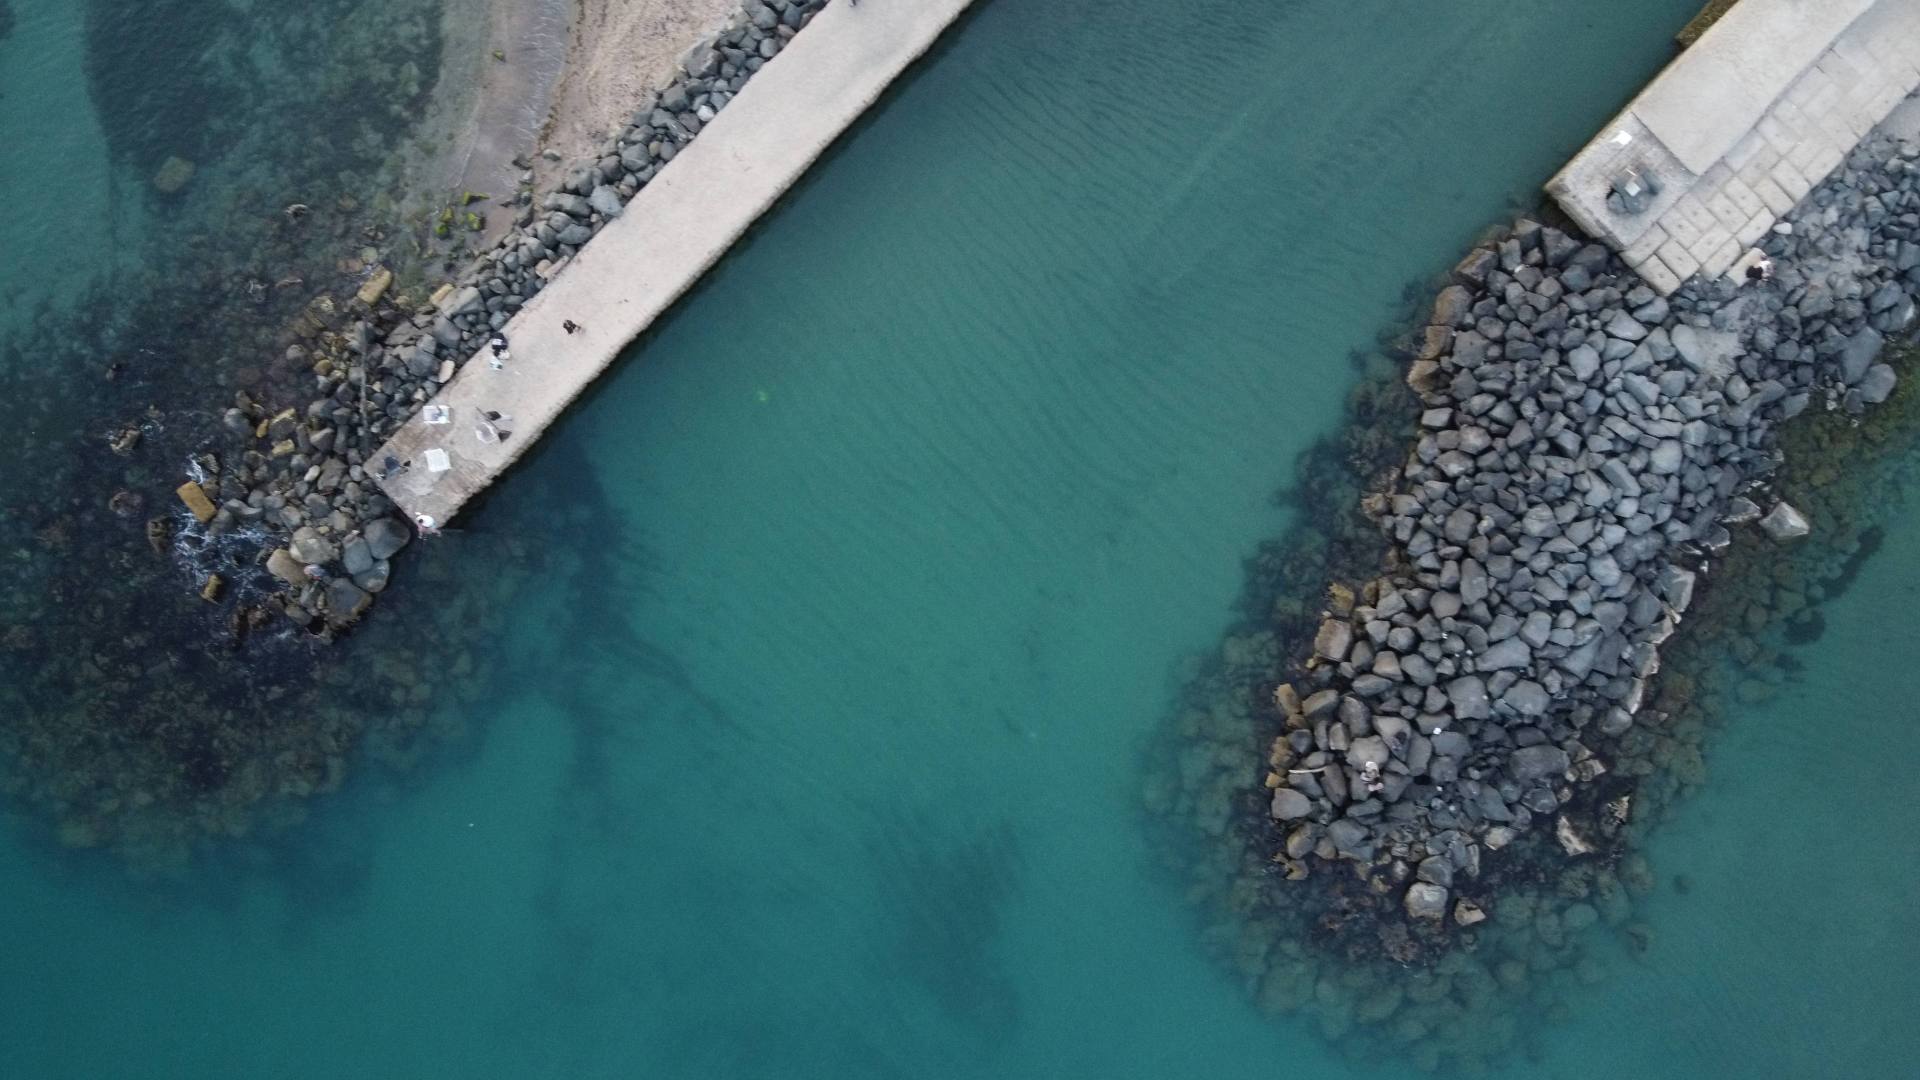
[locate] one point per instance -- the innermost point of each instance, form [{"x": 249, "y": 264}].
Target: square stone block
[
  {"x": 1678, "y": 262},
  {"x": 1725, "y": 210},
  {"x": 1655, "y": 273},
  {"x": 1806, "y": 154},
  {"x": 1680, "y": 228},
  {"x": 1744, "y": 151},
  {"x": 1721, "y": 259},
  {"x": 1710, "y": 242},
  {"x": 1889, "y": 98},
  {"x": 1742, "y": 196},
  {"x": 1750, "y": 233},
  {"x": 1777, "y": 200},
  {"x": 1779, "y": 137},
  {"x": 1855, "y": 122},
  {"x": 1760, "y": 167},
  {"x": 1643, "y": 248},
  {"x": 1792, "y": 121},
  {"x": 1791, "y": 180},
  {"x": 1839, "y": 70},
  {"x": 1825, "y": 159},
  {"x": 1696, "y": 213},
  {"x": 1806, "y": 87}
]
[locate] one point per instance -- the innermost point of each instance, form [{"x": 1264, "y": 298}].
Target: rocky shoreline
[
  {"x": 1461, "y": 749},
  {"x": 305, "y": 477}
]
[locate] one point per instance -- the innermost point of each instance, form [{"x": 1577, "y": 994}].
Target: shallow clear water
[{"x": 824, "y": 755}]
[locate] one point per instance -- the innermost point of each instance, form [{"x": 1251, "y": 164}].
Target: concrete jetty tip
[{"x": 670, "y": 233}]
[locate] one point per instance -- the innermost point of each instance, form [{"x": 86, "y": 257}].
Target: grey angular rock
[
  {"x": 1288, "y": 804},
  {"x": 385, "y": 537},
  {"x": 1426, "y": 900},
  {"x": 1530, "y": 763},
  {"x": 607, "y": 201},
  {"x": 1369, "y": 748},
  {"x": 1783, "y": 522},
  {"x": 1510, "y": 654},
  {"x": 1468, "y": 696},
  {"x": 345, "y": 601},
  {"x": 1877, "y": 384},
  {"x": 311, "y": 548},
  {"x": 1334, "y": 639},
  {"x": 1435, "y": 870},
  {"x": 374, "y": 578},
  {"x": 355, "y": 557},
  {"x": 1861, "y": 350},
  {"x": 1625, "y": 327},
  {"x": 1528, "y": 698}
]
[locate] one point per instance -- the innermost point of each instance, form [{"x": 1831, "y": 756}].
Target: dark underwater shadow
[{"x": 943, "y": 885}]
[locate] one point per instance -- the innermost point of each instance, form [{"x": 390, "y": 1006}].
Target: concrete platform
[
  {"x": 670, "y": 234},
  {"x": 1741, "y": 127}
]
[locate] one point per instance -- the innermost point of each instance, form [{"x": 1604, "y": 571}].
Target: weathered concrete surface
[
  {"x": 1741, "y": 127},
  {"x": 670, "y": 234},
  {"x": 1720, "y": 87}
]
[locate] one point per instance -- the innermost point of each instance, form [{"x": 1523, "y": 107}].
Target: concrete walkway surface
[{"x": 669, "y": 235}]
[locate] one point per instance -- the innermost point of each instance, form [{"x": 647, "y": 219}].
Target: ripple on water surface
[{"x": 827, "y": 766}]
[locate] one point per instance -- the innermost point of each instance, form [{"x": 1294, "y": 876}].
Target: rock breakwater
[
  {"x": 1462, "y": 751},
  {"x": 1586, "y": 446}
]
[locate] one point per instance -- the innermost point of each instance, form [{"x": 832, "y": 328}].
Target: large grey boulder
[
  {"x": 1625, "y": 327},
  {"x": 1530, "y": 763},
  {"x": 1368, "y": 749},
  {"x": 606, "y": 201},
  {"x": 1426, "y": 900},
  {"x": 310, "y": 547},
  {"x": 1468, "y": 697},
  {"x": 1710, "y": 352},
  {"x": 385, "y": 537},
  {"x": 1528, "y": 698},
  {"x": 1877, "y": 384},
  {"x": 1861, "y": 350},
  {"x": 345, "y": 601},
  {"x": 1334, "y": 639},
  {"x": 1783, "y": 522},
  {"x": 1510, "y": 654},
  {"x": 355, "y": 557},
  {"x": 1289, "y": 804}
]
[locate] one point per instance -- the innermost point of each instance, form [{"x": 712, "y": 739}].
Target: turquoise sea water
[{"x": 819, "y": 755}]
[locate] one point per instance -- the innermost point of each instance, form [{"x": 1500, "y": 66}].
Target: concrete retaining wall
[{"x": 1740, "y": 128}]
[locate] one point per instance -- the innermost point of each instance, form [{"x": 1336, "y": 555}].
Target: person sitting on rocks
[
  {"x": 314, "y": 572},
  {"x": 1760, "y": 270}
]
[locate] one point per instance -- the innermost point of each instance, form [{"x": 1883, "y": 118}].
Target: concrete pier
[
  {"x": 1739, "y": 128},
  {"x": 670, "y": 233}
]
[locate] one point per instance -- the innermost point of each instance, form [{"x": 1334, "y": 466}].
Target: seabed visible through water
[{"x": 794, "y": 707}]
